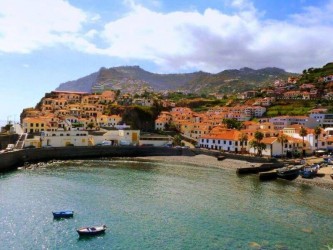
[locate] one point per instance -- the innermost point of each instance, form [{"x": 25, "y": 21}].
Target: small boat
[
  {"x": 90, "y": 231},
  {"x": 62, "y": 214},
  {"x": 310, "y": 171},
  {"x": 289, "y": 173}
]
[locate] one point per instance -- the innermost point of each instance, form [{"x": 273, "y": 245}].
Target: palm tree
[
  {"x": 258, "y": 136},
  {"x": 242, "y": 138},
  {"x": 282, "y": 138},
  {"x": 254, "y": 145},
  {"x": 317, "y": 132},
  {"x": 257, "y": 144},
  {"x": 303, "y": 132}
]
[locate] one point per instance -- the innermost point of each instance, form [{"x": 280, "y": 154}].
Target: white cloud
[
  {"x": 210, "y": 40},
  {"x": 213, "y": 41},
  {"x": 29, "y": 25}
]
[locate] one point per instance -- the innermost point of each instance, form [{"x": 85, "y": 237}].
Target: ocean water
[{"x": 149, "y": 205}]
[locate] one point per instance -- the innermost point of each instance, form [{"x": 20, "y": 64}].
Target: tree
[
  {"x": 257, "y": 144},
  {"x": 303, "y": 132},
  {"x": 258, "y": 136},
  {"x": 254, "y": 145},
  {"x": 261, "y": 146},
  {"x": 90, "y": 125},
  {"x": 242, "y": 138},
  {"x": 177, "y": 140},
  {"x": 317, "y": 132},
  {"x": 282, "y": 138},
  {"x": 232, "y": 123}
]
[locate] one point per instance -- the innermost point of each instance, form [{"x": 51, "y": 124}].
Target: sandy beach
[{"x": 323, "y": 178}]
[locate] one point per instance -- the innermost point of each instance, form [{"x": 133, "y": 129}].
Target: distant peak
[{"x": 245, "y": 69}]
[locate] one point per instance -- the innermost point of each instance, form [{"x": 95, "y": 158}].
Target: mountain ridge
[{"x": 134, "y": 78}]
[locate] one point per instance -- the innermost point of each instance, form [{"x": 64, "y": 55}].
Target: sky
[{"x": 47, "y": 42}]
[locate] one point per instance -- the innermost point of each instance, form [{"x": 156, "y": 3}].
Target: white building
[
  {"x": 118, "y": 137},
  {"x": 227, "y": 141},
  {"x": 324, "y": 120},
  {"x": 64, "y": 138},
  {"x": 155, "y": 140},
  {"x": 280, "y": 122}
]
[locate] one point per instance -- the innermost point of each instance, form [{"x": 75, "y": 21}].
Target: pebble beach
[{"x": 322, "y": 179}]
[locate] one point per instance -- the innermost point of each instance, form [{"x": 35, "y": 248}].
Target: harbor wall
[
  {"x": 249, "y": 158},
  {"x": 12, "y": 160}
]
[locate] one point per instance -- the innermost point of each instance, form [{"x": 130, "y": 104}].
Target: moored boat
[
  {"x": 63, "y": 214},
  {"x": 309, "y": 171},
  {"x": 289, "y": 173},
  {"x": 90, "y": 231}
]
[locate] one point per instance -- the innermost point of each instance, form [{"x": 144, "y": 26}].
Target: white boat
[{"x": 87, "y": 231}]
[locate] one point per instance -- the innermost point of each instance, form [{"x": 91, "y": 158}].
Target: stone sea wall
[
  {"x": 240, "y": 157},
  {"x": 12, "y": 160}
]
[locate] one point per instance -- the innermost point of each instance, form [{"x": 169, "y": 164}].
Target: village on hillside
[{"x": 65, "y": 118}]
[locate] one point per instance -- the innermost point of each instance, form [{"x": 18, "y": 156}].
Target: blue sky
[{"x": 46, "y": 42}]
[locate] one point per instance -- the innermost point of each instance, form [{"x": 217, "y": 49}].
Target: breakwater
[
  {"x": 248, "y": 158},
  {"x": 12, "y": 160}
]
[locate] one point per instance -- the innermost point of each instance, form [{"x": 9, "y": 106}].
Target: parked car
[
  {"x": 106, "y": 143},
  {"x": 124, "y": 143},
  {"x": 29, "y": 147}
]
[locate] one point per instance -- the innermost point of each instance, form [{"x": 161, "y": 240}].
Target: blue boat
[
  {"x": 310, "y": 171},
  {"x": 63, "y": 214}
]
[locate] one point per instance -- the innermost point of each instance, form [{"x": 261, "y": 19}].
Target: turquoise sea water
[{"x": 149, "y": 205}]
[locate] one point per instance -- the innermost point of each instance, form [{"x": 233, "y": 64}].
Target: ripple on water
[{"x": 151, "y": 205}]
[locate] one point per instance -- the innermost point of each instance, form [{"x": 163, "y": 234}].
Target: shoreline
[{"x": 323, "y": 179}]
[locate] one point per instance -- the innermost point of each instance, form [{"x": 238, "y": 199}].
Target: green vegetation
[
  {"x": 312, "y": 75},
  {"x": 233, "y": 124},
  {"x": 139, "y": 118},
  {"x": 178, "y": 96},
  {"x": 201, "y": 104},
  {"x": 290, "y": 107}
]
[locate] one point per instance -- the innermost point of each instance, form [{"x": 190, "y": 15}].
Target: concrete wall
[
  {"x": 248, "y": 158},
  {"x": 11, "y": 160}
]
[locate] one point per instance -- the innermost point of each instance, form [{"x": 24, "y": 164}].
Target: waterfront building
[
  {"x": 150, "y": 139},
  {"x": 226, "y": 140},
  {"x": 33, "y": 124},
  {"x": 64, "y": 138},
  {"x": 121, "y": 136}
]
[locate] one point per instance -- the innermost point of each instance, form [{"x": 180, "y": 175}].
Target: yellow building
[{"x": 33, "y": 125}]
